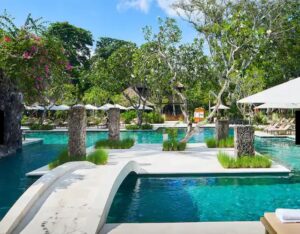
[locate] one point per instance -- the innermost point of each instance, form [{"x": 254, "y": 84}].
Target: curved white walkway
[{"x": 73, "y": 198}]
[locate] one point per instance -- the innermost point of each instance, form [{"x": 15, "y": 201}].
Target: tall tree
[
  {"x": 235, "y": 32},
  {"x": 106, "y": 46},
  {"x": 186, "y": 64}
]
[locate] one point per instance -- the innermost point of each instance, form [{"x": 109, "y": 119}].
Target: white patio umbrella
[
  {"x": 34, "y": 107},
  {"x": 91, "y": 107},
  {"x": 108, "y": 106},
  {"x": 221, "y": 107},
  {"x": 140, "y": 108},
  {"x": 278, "y": 106},
  {"x": 286, "y": 93},
  {"x": 58, "y": 107}
]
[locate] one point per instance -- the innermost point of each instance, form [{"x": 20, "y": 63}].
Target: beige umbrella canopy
[
  {"x": 286, "y": 93},
  {"x": 278, "y": 106},
  {"x": 109, "y": 106},
  {"x": 221, "y": 107}
]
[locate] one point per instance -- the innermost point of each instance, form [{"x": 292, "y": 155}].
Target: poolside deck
[
  {"x": 196, "y": 159},
  {"x": 190, "y": 228}
]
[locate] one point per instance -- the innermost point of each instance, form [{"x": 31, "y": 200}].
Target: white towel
[{"x": 288, "y": 215}]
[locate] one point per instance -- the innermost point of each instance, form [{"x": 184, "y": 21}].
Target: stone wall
[
  {"x": 222, "y": 129},
  {"x": 77, "y": 131},
  {"x": 114, "y": 124},
  {"x": 12, "y": 109},
  {"x": 244, "y": 140}
]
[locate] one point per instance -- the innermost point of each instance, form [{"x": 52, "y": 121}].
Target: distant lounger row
[{"x": 282, "y": 127}]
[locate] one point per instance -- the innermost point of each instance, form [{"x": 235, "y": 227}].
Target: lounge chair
[
  {"x": 274, "y": 226},
  {"x": 283, "y": 130}
]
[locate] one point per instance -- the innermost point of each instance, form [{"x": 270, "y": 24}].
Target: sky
[{"x": 122, "y": 19}]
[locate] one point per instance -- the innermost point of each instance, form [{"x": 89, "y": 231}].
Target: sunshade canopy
[
  {"x": 34, "y": 107},
  {"x": 278, "y": 106},
  {"x": 140, "y": 108},
  {"x": 221, "y": 107},
  {"x": 58, "y": 108},
  {"x": 286, "y": 93},
  {"x": 91, "y": 107}
]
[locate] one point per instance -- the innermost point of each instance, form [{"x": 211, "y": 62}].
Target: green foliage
[
  {"x": 76, "y": 41},
  {"x": 33, "y": 61},
  {"x": 24, "y": 119},
  {"x": 172, "y": 133},
  {"x": 38, "y": 126},
  {"x": 128, "y": 116},
  {"x": 98, "y": 157},
  {"x": 106, "y": 46},
  {"x": 173, "y": 146},
  {"x": 224, "y": 143},
  {"x": 115, "y": 144},
  {"x": 137, "y": 127},
  {"x": 211, "y": 143},
  {"x": 256, "y": 161},
  {"x": 153, "y": 117},
  {"x": 260, "y": 118}
]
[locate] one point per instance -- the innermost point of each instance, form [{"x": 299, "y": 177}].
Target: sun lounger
[{"x": 274, "y": 226}]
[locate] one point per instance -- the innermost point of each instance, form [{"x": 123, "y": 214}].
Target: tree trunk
[
  {"x": 140, "y": 117},
  {"x": 192, "y": 131}
]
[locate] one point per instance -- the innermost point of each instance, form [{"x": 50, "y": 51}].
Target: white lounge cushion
[{"x": 288, "y": 215}]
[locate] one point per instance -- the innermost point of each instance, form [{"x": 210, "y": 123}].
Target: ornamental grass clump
[
  {"x": 257, "y": 161},
  {"x": 224, "y": 143},
  {"x": 98, "y": 157},
  {"x": 115, "y": 144},
  {"x": 173, "y": 144}
]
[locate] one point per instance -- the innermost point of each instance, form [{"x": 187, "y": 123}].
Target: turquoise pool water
[
  {"x": 13, "y": 181},
  {"x": 200, "y": 199},
  {"x": 141, "y": 137}
]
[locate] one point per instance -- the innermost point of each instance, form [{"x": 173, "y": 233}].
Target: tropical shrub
[
  {"x": 224, "y": 143},
  {"x": 260, "y": 118},
  {"x": 128, "y": 116},
  {"x": 153, "y": 117},
  {"x": 37, "y": 126},
  {"x": 34, "y": 62},
  {"x": 115, "y": 144},
  {"x": 257, "y": 161},
  {"x": 137, "y": 127}
]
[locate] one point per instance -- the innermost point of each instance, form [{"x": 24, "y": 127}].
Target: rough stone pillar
[
  {"x": 77, "y": 131},
  {"x": 11, "y": 109},
  {"x": 244, "y": 140},
  {"x": 222, "y": 129},
  {"x": 114, "y": 124}
]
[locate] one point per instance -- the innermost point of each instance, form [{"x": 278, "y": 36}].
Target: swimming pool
[
  {"x": 13, "y": 181},
  {"x": 200, "y": 199}
]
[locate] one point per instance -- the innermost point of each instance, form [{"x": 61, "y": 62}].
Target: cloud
[{"x": 142, "y": 5}]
